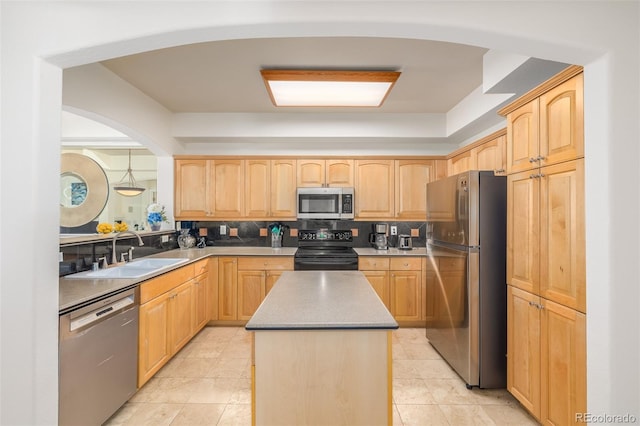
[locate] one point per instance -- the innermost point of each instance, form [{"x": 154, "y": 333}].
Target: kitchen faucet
[{"x": 115, "y": 237}]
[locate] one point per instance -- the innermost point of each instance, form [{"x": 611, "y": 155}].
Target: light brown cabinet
[
  {"x": 270, "y": 187},
  {"x": 201, "y": 295},
  {"x": 491, "y": 155},
  {"x": 546, "y": 301},
  {"x": 325, "y": 173},
  {"x": 411, "y": 178},
  {"x": 546, "y": 366},
  {"x": 398, "y": 283},
  {"x": 283, "y": 189},
  {"x": 547, "y": 130},
  {"x": 245, "y": 281},
  {"x": 545, "y": 233},
  {"x": 488, "y": 153},
  {"x": 172, "y": 310},
  {"x": 375, "y": 189},
  {"x": 227, "y": 288},
  {"x": 207, "y": 189}
]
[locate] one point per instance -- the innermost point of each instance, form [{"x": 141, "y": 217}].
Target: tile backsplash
[{"x": 252, "y": 233}]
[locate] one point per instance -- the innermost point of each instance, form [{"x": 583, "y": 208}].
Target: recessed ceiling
[{"x": 224, "y": 76}]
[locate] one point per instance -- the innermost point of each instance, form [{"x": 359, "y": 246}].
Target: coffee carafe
[{"x": 378, "y": 238}]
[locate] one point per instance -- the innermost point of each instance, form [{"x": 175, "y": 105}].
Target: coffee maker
[{"x": 378, "y": 238}]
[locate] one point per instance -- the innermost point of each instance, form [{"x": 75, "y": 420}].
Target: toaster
[{"x": 404, "y": 242}]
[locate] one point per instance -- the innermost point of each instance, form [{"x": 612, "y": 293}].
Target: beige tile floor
[{"x": 208, "y": 383}]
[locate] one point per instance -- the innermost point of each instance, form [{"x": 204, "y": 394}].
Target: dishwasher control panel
[{"x": 101, "y": 312}]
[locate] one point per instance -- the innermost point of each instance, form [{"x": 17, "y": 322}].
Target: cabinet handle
[
  {"x": 532, "y": 160},
  {"x": 539, "y": 158},
  {"x": 405, "y": 264},
  {"x": 532, "y": 176},
  {"x": 500, "y": 171}
]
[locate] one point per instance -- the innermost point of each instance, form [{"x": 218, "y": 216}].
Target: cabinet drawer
[
  {"x": 201, "y": 267},
  {"x": 405, "y": 264},
  {"x": 159, "y": 285},
  {"x": 373, "y": 263},
  {"x": 452, "y": 263},
  {"x": 280, "y": 263}
]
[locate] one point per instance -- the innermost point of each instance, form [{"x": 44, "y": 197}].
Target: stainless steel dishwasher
[{"x": 98, "y": 359}]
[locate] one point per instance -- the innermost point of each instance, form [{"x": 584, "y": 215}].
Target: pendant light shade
[{"x": 128, "y": 185}]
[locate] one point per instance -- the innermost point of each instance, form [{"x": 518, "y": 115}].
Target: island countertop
[{"x": 312, "y": 300}]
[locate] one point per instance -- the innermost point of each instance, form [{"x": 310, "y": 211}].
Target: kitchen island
[{"x": 322, "y": 352}]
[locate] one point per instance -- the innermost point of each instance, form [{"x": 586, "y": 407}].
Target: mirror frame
[{"x": 97, "y": 189}]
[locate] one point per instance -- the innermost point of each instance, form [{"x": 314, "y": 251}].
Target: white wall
[{"x": 601, "y": 35}]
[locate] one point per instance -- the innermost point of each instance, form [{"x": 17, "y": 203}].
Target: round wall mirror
[{"x": 84, "y": 190}]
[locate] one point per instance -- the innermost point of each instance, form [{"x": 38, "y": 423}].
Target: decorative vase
[
  {"x": 155, "y": 226},
  {"x": 186, "y": 240}
]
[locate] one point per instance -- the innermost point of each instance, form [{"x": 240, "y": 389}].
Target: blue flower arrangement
[{"x": 156, "y": 215}]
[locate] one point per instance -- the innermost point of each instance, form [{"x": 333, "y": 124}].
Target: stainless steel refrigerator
[{"x": 466, "y": 234}]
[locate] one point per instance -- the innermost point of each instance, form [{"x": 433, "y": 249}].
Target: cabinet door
[
  {"x": 181, "y": 316},
  {"x": 227, "y": 288},
  {"x": 404, "y": 287},
  {"x": 228, "y": 188},
  {"x": 153, "y": 338},
  {"x": 564, "y": 364},
  {"x": 523, "y": 348},
  {"x": 251, "y": 292},
  {"x": 562, "y": 234},
  {"x": 310, "y": 173},
  {"x": 461, "y": 163},
  {"x": 283, "y": 188},
  {"x": 522, "y": 137},
  {"x": 339, "y": 173},
  {"x": 212, "y": 289},
  {"x": 192, "y": 195},
  {"x": 523, "y": 231},
  {"x": 562, "y": 122},
  {"x": 272, "y": 277},
  {"x": 379, "y": 280},
  {"x": 374, "y": 189},
  {"x": 257, "y": 188},
  {"x": 201, "y": 313},
  {"x": 411, "y": 178},
  {"x": 491, "y": 155}
]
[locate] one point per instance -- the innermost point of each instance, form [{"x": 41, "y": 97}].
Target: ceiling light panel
[{"x": 310, "y": 88}]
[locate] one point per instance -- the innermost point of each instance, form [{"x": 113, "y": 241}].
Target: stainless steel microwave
[{"x": 325, "y": 203}]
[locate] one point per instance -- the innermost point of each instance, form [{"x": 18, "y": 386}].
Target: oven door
[{"x": 319, "y": 203}]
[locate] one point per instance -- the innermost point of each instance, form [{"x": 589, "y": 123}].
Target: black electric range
[{"x": 324, "y": 249}]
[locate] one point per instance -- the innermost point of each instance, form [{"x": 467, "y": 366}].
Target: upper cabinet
[
  {"x": 207, "y": 189},
  {"x": 411, "y": 178},
  {"x": 491, "y": 155},
  {"x": 374, "y": 190},
  {"x": 488, "y": 153},
  {"x": 222, "y": 189},
  {"x": 283, "y": 188},
  {"x": 548, "y": 129},
  {"x": 323, "y": 173}
]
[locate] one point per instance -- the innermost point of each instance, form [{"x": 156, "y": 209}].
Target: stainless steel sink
[{"x": 155, "y": 263}]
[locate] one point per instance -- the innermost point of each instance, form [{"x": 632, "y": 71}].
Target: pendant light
[{"x": 127, "y": 185}]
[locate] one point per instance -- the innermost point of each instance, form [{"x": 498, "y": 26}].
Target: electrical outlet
[
  {"x": 394, "y": 230},
  {"x": 165, "y": 238},
  {"x": 223, "y": 229}
]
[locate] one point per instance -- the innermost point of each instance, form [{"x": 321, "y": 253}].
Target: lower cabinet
[
  {"x": 546, "y": 357},
  {"x": 405, "y": 288},
  {"x": 398, "y": 283},
  {"x": 173, "y": 308},
  {"x": 243, "y": 283}
]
